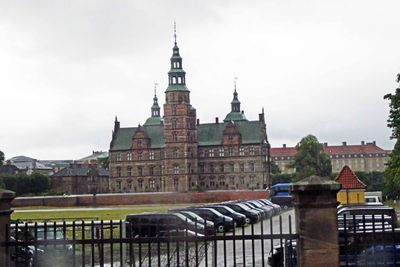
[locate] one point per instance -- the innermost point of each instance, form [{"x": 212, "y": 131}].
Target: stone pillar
[
  {"x": 5, "y": 211},
  {"x": 315, "y": 205}
]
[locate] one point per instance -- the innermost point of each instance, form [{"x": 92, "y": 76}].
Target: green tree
[
  {"x": 310, "y": 159},
  {"x": 392, "y": 171},
  {"x": 275, "y": 168},
  {"x": 1, "y": 158}
]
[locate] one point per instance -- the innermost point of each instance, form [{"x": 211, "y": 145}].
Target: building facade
[
  {"x": 81, "y": 179},
  {"x": 177, "y": 153},
  {"x": 366, "y": 157}
]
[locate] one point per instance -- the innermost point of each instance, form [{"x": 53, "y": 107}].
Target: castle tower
[{"x": 180, "y": 152}]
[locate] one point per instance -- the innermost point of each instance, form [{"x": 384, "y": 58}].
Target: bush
[{"x": 26, "y": 184}]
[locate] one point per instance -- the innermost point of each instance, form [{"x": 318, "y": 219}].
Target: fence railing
[
  {"x": 369, "y": 240},
  {"x": 118, "y": 243}
]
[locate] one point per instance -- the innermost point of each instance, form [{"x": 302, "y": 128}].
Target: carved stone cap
[
  {"x": 6, "y": 194},
  {"x": 315, "y": 183}
]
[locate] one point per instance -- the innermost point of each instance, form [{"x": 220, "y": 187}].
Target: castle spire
[
  {"x": 176, "y": 75},
  {"x": 155, "y": 109},
  {"x": 235, "y": 104}
]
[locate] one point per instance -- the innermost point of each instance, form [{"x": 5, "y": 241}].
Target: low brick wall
[{"x": 138, "y": 198}]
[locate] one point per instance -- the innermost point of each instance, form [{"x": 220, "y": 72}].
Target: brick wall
[{"x": 138, "y": 198}]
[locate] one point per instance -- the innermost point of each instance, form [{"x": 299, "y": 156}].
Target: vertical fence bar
[
  {"x": 196, "y": 246},
  {"x": 101, "y": 246},
  {"x": 186, "y": 243},
  {"x": 262, "y": 243},
  {"x": 92, "y": 242},
  {"x": 224, "y": 241},
  {"x": 83, "y": 243},
  {"x": 111, "y": 243},
  {"x": 131, "y": 254},
  {"x": 177, "y": 248},
  {"x": 7, "y": 235},
  {"x": 252, "y": 244},
  {"x": 73, "y": 244},
  {"x": 121, "y": 244},
  {"x": 150, "y": 234},
  {"x": 205, "y": 247},
  {"x": 243, "y": 247},
  {"x": 234, "y": 245}
]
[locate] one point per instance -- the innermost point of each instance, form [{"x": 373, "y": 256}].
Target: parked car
[
  {"x": 267, "y": 209},
  {"x": 221, "y": 222},
  {"x": 209, "y": 225},
  {"x": 251, "y": 216},
  {"x": 159, "y": 224},
  {"x": 237, "y": 217},
  {"x": 276, "y": 207},
  {"x": 263, "y": 214}
]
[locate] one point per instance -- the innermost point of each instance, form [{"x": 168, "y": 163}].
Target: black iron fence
[
  {"x": 118, "y": 243},
  {"x": 369, "y": 240}
]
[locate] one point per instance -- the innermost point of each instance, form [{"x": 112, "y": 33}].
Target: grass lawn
[{"x": 85, "y": 213}]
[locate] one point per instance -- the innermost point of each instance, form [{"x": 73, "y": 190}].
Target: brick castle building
[
  {"x": 366, "y": 157},
  {"x": 177, "y": 153}
]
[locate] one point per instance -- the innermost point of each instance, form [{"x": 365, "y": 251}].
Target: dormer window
[{"x": 139, "y": 142}]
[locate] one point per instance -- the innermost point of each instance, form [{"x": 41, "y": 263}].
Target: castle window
[
  {"x": 174, "y": 110},
  {"x": 222, "y": 180},
  {"x": 140, "y": 155},
  {"x": 151, "y": 170},
  {"x": 201, "y": 167},
  {"x": 176, "y": 184},
  {"x": 241, "y": 151},
  {"x": 232, "y": 167},
  {"x": 251, "y": 151},
  {"x": 129, "y": 156},
  {"x": 140, "y": 184},
  {"x": 211, "y": 152},
  {"x": 139, "y": 142},
  {"x": 230, "y": 139},
  {"x": 241, "y": 179},
  {"x": 232, "y": 180},
  {"x": 252, "y": 168},
  {"x": 212, "y": 168},
  {"x": 119, "y": 172},
  {"x": 221, "y": 152},
  {"x": 130, "y": 184},
  {"x": 118, "y": 156},
  {"x": 180, "y": 81},
  {"x": 140, "y": 171},
  {"x": 221, "y": 167},
  {"x": 152, "y": 184},
  {"x": 129, "y": 171},
  {"x": 241, "y": 167},
  {"x": 119, "y": 185},
  {"x": 174, "y": 123},
  {"x": 151, "y": 155},
  {"x": 176, "y": 169},
  {"x": 230, "y": 151},
  {"x": 174, "y": 137},
  {"x": 175, "y": 153}
]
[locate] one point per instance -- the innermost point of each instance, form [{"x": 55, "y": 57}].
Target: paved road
[{"x": 248, "y": 248}]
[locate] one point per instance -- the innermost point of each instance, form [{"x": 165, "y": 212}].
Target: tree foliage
[
  {"x": 373, "y": 180},
  {"x": 2, "y": 157},
  {"x": 392, "y": 171},
  {"x": 23, "y": 184},
  {"x": 310, "y": 159},
  {"x": 275, "y": 168}
]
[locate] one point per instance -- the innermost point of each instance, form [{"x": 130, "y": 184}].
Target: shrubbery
[{"x": 23, "y": 184}]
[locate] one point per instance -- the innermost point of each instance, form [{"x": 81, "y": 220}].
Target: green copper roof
[
  {"x": 235, "y": 116},
  {"x": 208, "y": 134},
  {"x": 176, "y": 88},
  {"x": 153, "y": 121},
  {"x": 123, "y": 139},
  {"x": 211, "y": 134}
]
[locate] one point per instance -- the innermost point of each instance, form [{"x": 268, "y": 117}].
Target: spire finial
[
  {"x": 155, "y": 88},
  {"x": 235, "y": 79},
  {"x": 175, "y": 31}
]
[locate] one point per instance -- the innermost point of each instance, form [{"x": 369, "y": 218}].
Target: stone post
[
  {"x": 315, "y": 205},
  {"x": 5, "y": 211}
]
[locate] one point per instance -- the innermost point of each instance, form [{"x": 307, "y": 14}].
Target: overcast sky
[{"x": 317, "y": 67}]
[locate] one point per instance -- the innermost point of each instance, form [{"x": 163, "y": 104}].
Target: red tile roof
[
  {"x": 368, "y": 148},
  {"x": 349, "y": 180}
]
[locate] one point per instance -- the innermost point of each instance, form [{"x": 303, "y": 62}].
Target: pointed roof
[{"x": 349, "y": 180}]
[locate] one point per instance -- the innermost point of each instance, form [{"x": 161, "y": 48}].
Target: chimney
[
  {"x": 198, "y": 122},
  {"x": 344, "y": 143},
  {"x": 325, "y": 144},
  {"x": 374, "y": 143},
  {"x": 216, "y": 120},
  {"x": 242, "y": 111},
  {"x": 362, "y": 143},
  {"x": 261, "y": 117},
  {"x": 284, "y": 145}
]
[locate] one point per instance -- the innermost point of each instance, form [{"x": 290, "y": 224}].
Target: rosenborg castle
[{"x": 174, "y": 152}]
